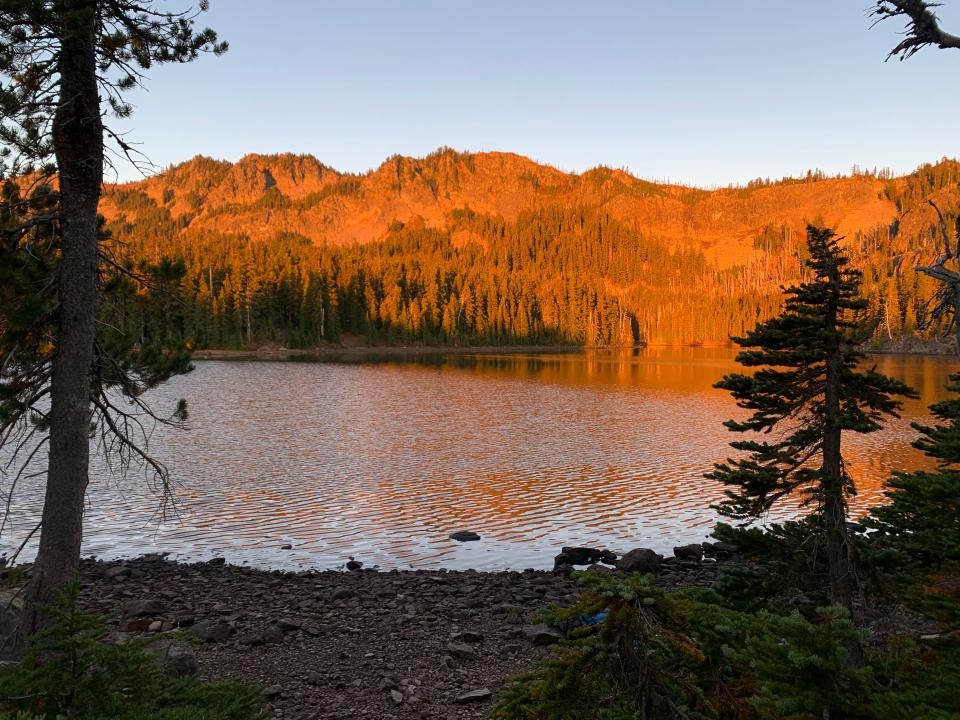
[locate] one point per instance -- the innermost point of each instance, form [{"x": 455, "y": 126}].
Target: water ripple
[{"x": 383, "y": 461}]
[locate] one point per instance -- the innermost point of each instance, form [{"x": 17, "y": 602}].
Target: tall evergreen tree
[
  {"x": 65, "y": 65},
  {"x": 922, "y": 515},
  {"x": 807, "y": 387}
]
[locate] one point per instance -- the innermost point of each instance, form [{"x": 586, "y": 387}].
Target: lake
[{"x": 383, "y": 460}]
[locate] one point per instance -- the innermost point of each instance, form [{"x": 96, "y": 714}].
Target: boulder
[
  {"x": 464, "y": 536},
  {"x": 693, "y": 551},
  {"x": 175, "y": 660},
  {"x": 720, "y": 551},
  {"x": 586, "y": 556},
  {"x": 468, "y": 636},
  {"x": 541, "y": 634},
  {"x": 354, "y": 564},
  {"x": 144, "y": 607},
  {"x": 641, "y": 560},
  {"x": 459, "y": 650},
  {"x": 581, "y": 555},
  {"x": 116, "y": 573}
]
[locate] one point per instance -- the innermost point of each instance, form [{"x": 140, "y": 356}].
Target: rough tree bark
[
  {"x": 78, "y": 140},
  {"x": 840, "y": 562}
]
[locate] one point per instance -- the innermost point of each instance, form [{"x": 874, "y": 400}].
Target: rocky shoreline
[{"x": 361, "y": 644}]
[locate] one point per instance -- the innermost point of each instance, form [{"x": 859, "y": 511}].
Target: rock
[
  {"x": 468, "y": 636},
  {"x": 272, "y": 692},
  {"x": 342, "y": 594},
  {"x": 175, "y": 660},
  {"x": 720, "y": 551},
  {"x": 287, "y": 546},
  {"x": 314, "y": 678},
  {"x": 354, "y": 564},
  {"x": 459, "y": 650},
  {"x": 562, "y": 561},
  {"x": 477, "y": 695},
  {"x": 289, "y": 624},
  {"x": 581, "y": 555},
  {"x": 134, "y": 625},
  {"x": 268, "y": 636},
  {"x": 464, "y": 536},
  {"x": 397, "y": 696},
  {"x": 639, "y": 560},
  {"x": 855, "y": 527},
  {"x": 541, "y": 634},
  {"x": 599, "y": 569},
  {"x": 217, "y": 561},
  {"x": 115, "y": 573},
  {"x": 693, "y": 551},
  {"x": 155, "y": 626},
  {"x": 147, "y": 606},
  {"x": 212, "y": 631},
  {"x": 608, "y": 557}
]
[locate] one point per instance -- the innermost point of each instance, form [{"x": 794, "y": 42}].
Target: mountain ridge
[{"x": 261, "y": 195}]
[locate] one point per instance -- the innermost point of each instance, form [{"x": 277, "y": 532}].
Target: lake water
[{"x": 382, "y": 461}]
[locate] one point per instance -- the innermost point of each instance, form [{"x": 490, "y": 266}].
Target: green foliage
[
  {"x": 685, "y": 654},
  {"x": 656, "y": 655},
  {"x": 922, "y": 515},
  {"x": 70, "y": 671},
  {"x": 807, "y": 363},
  {"x": 664, "y": 655},
  {"x": 803, "y": 668}
]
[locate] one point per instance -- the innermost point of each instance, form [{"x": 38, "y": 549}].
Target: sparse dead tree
[
  {"x": 946, "y": 302},
  {"x": 922, "y": 29}
]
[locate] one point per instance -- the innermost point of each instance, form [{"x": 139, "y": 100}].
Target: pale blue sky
[{"x": 699, "y": 91}]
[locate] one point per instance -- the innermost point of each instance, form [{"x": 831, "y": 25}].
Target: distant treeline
[{"x": 554, "y": 275}]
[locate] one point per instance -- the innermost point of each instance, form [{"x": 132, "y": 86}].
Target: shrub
[{"x": 69, "y": 671}]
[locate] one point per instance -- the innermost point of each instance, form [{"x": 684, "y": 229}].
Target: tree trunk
[
  {"x": 78, "y": 144},
  {"x": 839, "y": 558}
]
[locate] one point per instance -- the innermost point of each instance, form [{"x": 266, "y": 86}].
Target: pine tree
[
  {"x": 922, "y": 516},
  {"x": 808, "y": 387},
  {"x": 65, "y": 66}
]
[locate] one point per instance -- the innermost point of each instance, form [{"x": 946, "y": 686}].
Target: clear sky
[{"x": 699, "y": 91}]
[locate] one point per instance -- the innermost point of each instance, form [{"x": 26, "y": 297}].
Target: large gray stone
[
  {"x": 541, "y": 634},
  {"x": 175, "y": 660},
  {"x": 641, "y": 560},
  {"x": 210, "y": 631},
  {"x": 144, "y": 607}
]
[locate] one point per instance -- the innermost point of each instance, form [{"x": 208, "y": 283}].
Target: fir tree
[
  {"x": 809, "y": 389},
  {"x": 922, "y": 516}
]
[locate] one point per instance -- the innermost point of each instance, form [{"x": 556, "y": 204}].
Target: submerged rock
[{"x": 464, "y": 536}]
